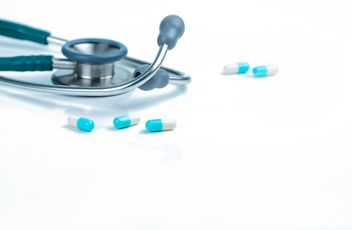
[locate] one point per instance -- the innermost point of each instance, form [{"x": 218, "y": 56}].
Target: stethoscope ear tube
[
  {"x": 23, "y": 32},
  {"x": 27, "y": 63}
]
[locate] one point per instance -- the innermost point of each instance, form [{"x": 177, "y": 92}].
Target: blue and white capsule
[
  {"x": 158, "y": 125},
  {"x": 125, "y": 121},
  {"x": 265, "y": 70},
  {"x": 236, "y": 68},
  {"x": 81, "y": 123}
]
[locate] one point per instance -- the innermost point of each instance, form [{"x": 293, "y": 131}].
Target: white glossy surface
[{"x": 269, "y": 153}]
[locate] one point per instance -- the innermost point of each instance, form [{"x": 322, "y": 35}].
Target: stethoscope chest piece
[{"x": 93, "y": 64}]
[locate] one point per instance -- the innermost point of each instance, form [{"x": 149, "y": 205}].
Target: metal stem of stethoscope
[{"x": 56, "y": 40}]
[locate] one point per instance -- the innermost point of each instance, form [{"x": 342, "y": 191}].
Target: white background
[{"x": 269, "y": 153}]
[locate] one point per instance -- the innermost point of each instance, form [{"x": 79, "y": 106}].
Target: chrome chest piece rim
[{"x": 94, "y": 60}]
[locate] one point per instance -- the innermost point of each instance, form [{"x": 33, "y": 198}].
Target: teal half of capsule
[
  {"x": 155, "y": 125},
  {"x": 85, "y": 124},
  {"x": 260, "y": 71},
  {"x": 243, "y": 67},
  {"x": 122, "y": 122}
]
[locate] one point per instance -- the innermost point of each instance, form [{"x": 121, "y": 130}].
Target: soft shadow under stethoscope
[{"x": 91, "y": 105}]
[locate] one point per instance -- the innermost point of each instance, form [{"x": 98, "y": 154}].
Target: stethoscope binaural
[{"x": 94, "y": 66}]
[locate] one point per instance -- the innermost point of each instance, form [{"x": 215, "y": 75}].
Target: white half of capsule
[
  {"x": 72, "y": 121},
  {"x": 169, "y": 124},
  {"x": 272, "y": 69},
  {"x": 135, "y": 118},
  {"x": 230, "y": 68}
]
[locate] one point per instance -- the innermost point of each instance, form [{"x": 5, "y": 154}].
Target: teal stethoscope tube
[
  {"x": 27, "y": 63},
  {"x": 23, "y": 32}
]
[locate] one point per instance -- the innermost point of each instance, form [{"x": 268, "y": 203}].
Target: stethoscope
[{"x": 94, "y": 66}]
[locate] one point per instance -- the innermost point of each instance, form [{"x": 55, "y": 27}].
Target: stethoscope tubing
[{"x": 170, "y": 30}]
